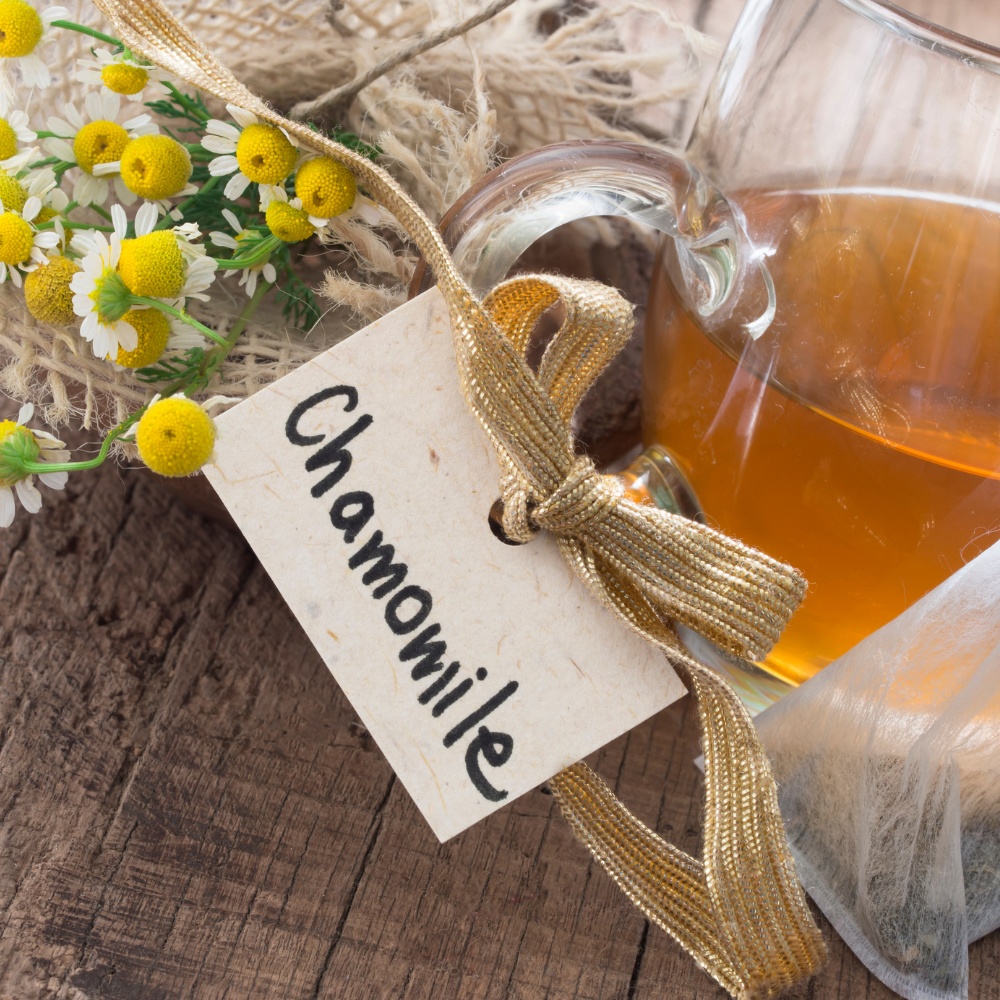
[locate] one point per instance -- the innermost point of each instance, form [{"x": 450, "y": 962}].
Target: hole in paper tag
[{"x": 480, "y": 670}]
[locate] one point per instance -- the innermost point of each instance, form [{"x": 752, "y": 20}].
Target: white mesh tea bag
[{"x": 888, "y": 768}]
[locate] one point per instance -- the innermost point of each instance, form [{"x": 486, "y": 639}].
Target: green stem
[
  {"x": 259, "y": 254},
  {"x": 179, "y": 314},
  {"x": 244, "y": 317},
  {"x": 92, "y": 463},
  {"x": 102, "y": 212},
  {"x": 92, "y": 32}
]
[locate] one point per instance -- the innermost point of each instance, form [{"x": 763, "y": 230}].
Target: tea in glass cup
[{"x": 822, "y": 371}]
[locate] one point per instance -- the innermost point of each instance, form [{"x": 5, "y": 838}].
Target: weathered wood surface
[{"x": 189, "y": 809}]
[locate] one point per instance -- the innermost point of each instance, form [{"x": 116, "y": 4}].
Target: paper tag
[{"x": 363, "y": 483}]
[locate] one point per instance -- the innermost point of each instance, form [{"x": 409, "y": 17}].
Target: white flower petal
[
  {"x": 218, "y": 144},
  {"x": 241, "y": 116},
  {"x": 54, "y": 480},
  {"x": 136, "y": 122},
  {"x": 34, "y": 73},
  {"x": 29, "y": 496},
  {"x": 119, "y": 220},
  {"x": 107, "y": 169},
  {"x": 269, "y": 272},
  {"x": 32, "y": 207},
  {"x": 127, "y": 335},
  {"x": 223, "y": 240},
  {"x": 60, "y": 148},
  {"x": 223, "y": 165},
  {"x": 25, "y": 414},
  {"x": 6, "y": 506},
  {"x": 223, "y": 130},
  {"x": 238, "y": 183},
  {"x": 125, "y": 196},
  {"x": 54, "y": 13},
  {"x": 145, "y": 220},
  {"x": 90, "y": 327}
]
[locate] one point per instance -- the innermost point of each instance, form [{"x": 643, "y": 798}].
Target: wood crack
[{"x": 373, "y": 834}]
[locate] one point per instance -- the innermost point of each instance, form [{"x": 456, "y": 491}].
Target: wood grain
[{"x": 188, "y": 808}]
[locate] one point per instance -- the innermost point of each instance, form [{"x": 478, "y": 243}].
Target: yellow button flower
[
  {"x": 153, "y": 329},
  {"x": 288, "y": 221},
  {"x": 99, "y": 142},
  {"x": 12, "y": 194},
  {"x": 254, "y": 152},
  {"x": 119, "y": 73},
  {"x": 153, "y": 265},
  {"x": 325, "y": 187},
  {"x": 20, "y": 29},
  {"x": 47, "y": 293},
  {"x": 175, "y": 436},
  {"x": 155, "y": 167},
  {"x": 121, "y": 78}
]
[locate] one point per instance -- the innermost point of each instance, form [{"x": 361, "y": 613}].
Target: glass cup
[{"x": 822, "y": 351}]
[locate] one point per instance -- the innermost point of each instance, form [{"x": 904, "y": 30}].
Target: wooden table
[{"x": 189, "y": 808}]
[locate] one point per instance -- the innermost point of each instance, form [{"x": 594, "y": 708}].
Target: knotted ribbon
[{"x": 740, "y": 911}]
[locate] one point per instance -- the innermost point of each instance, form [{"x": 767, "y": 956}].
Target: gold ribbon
[{"x": 740, "y": 911}]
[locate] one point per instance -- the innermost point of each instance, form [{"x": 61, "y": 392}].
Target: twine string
[{"x": 740, "y": 911}]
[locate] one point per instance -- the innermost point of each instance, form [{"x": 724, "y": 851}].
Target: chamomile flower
[
  {"x": 255, "y": 152},
  {"x": 158, "y": 263},
  {"x": 22, "y": 245},
  {"x": 22, "y": 30},
  {"x": 155, "y": 167},
  {"x": 20, "y": 444},
  {"x": 95, "y": 142},
  {"x": 121, "y": 74},
  {"x": 175, "y": 436},
  {"x": 158, "y": 333},
  {"x": 242, "y": 242},
  {"x": 325, "y": 188},
  {"x": 47, "y": 292},
  {"x": 14, "y": 131},
  {"x": 288, "y": 220},
  {"x": 103, "y": 300}
]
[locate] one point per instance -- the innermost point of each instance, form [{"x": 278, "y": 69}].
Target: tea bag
[{"x": 888, "y": 768}]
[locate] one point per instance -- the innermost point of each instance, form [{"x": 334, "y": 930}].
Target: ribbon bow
[{"x": 740, "y": 911}]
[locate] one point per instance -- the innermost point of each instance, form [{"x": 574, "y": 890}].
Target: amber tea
[{"x": 859, "y": 437}]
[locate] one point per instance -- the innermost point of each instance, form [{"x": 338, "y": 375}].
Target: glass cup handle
[{"x": 719, "y": 274}]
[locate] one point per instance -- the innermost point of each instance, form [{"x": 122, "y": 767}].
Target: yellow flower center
[
  {"x": 7, "y": 427},
  {"x": 153, "y": 265},
  {"x": 287, "y": 223},
  {"x": 12, "y": 194},
  {"x": 20, "y": 29},
  {"x": 175, "y": 436},
  {"x": 8, "y": 140},
  {"x": 325, "y": 186},
  {"x": 123, "y": 78},
  {"x": 16, "y": 239},
  {"x": 264, "y": 154},
  {"x": 47, "y": 293},
  {"x": 99, "y": 142},
  {"x": 155, "y": 166},
  {"x": 153, "y": 329}
]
